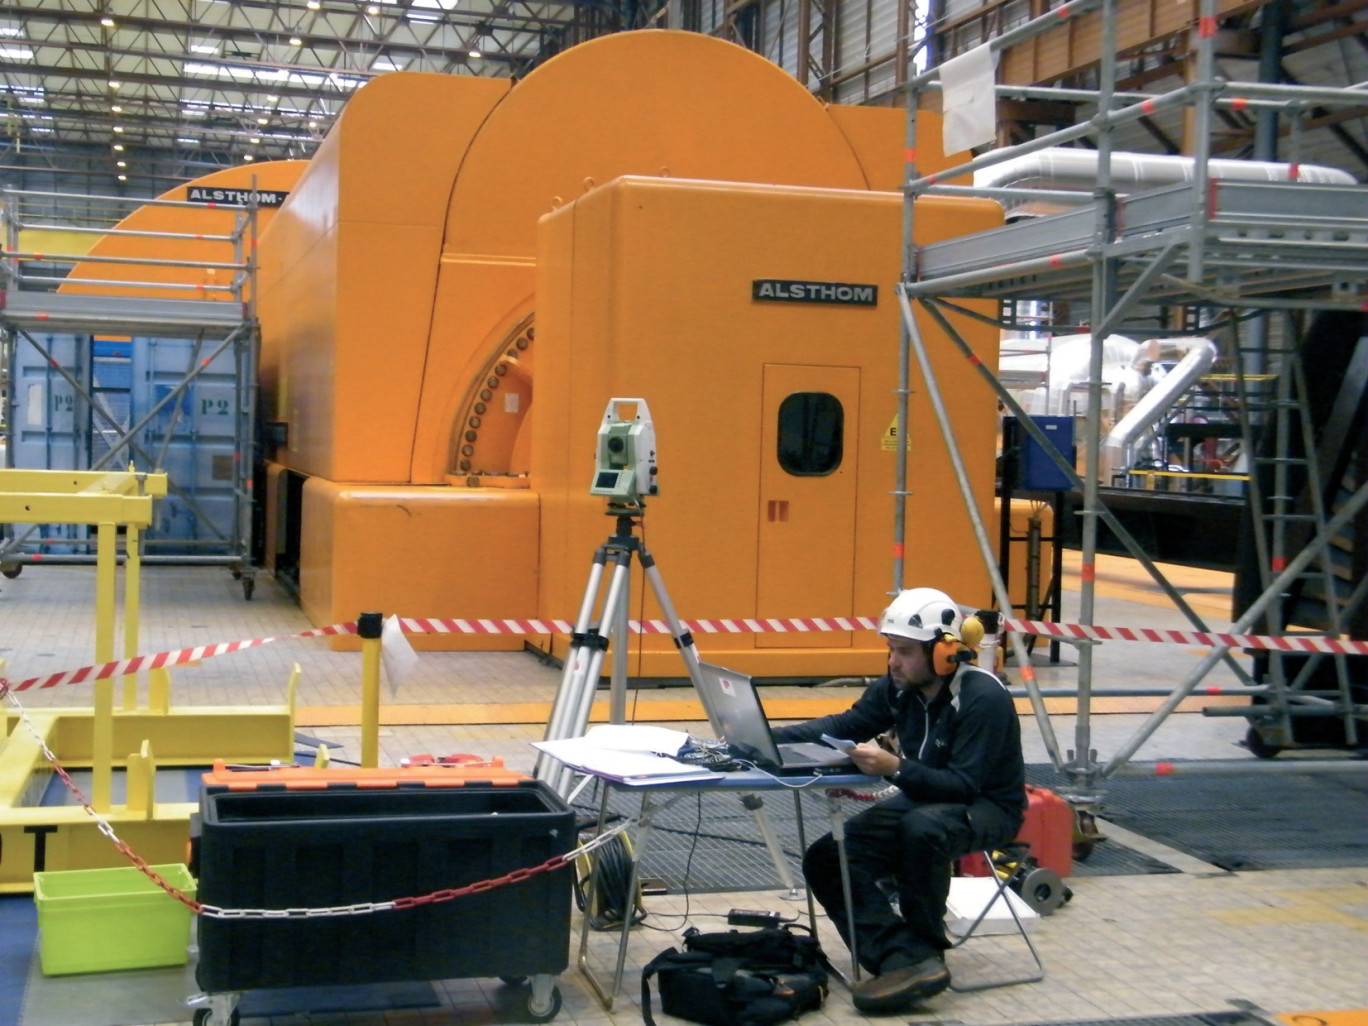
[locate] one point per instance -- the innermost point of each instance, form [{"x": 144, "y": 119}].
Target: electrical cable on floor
[{"x": 688, "y": 865}]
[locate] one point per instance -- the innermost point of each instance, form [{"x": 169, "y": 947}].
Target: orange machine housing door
[{"x": 807, "y": 500}]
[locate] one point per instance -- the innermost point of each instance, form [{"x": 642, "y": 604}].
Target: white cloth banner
[
  {"x": 397, "y": 656},
  {"x": 968, "y": 100}
]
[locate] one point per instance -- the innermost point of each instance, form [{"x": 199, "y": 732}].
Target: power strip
[{"x": 753, "y": 917}]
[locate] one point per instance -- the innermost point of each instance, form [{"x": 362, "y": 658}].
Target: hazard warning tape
[
  {"x": 1297, "y": 643},
  {"x": 1275, "y": 643},
  {"x": 165, "y": 660}
]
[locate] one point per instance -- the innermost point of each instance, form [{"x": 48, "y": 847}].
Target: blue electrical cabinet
[{"x": 1038, "y": 472}]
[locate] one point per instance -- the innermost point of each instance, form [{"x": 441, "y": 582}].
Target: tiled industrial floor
[{"x": 1193, "y": 941}]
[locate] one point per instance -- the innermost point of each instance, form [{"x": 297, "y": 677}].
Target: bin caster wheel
[
  {"x": 204, "y": 1017},
  {"x": 248, "y": 586},
  {"x": 514, "y": 981},
  {"x": 12, "y": 571},
  {"x": 544, "y": 1012}
]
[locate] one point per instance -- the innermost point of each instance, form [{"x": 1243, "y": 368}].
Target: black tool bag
[{"x": 738, "y": 979}]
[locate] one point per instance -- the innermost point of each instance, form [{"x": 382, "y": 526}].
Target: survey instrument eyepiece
[{"x": 625, "y": 463}]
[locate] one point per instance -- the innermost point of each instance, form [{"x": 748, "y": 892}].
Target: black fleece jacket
[{"x": 963, "y": 745}]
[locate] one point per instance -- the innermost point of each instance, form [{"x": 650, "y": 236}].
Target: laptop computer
[{"x": 735, "y": 712}]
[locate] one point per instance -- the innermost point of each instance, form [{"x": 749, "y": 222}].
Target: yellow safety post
[
  {"x": 142, "y": 776},
  {"x": 131, "y": 604},
  {"x": 159, "y": 690},
  {"x": 322, "y": 759},
  {"x": 368, "y": 627},
  {"x": 102, "y": 742},
  {"x": 106, "y": 566}
]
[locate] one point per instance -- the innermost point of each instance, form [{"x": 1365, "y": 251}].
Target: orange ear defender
[{"x": 948, "y": 653}]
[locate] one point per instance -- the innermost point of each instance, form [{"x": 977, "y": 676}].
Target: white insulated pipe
[
  {"x": 1068, "y": 168},
  {"x": 1200, "y": 354}
]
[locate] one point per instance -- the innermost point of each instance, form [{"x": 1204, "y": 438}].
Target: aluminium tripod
[
  {"x": 584, "y": 662},
  {"x": 590, "y": 639}
]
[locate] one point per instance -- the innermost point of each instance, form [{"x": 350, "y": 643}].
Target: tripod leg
[
  {"x": 554, "y": 725},
  {"x": 616, "y": 599},
  {"x": 683, "y": 639},
  {"x": 584, "y": 663}
]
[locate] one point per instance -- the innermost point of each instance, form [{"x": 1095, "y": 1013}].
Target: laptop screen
[{"x": 735, "y": 712}]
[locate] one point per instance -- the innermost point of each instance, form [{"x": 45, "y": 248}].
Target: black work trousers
[{"x": 912, "y": 845}]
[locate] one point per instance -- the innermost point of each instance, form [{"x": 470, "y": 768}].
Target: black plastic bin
[{"x": 269, "y": 849}]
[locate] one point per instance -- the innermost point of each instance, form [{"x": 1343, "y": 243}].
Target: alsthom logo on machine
[
  {"x": 839, "y": 293},
  {"x": 236, "y": 197}
]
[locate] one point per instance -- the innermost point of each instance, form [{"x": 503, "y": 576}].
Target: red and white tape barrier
[
  {"x": 163, "y": 660},
  {"x": 1276, "y": 643},
  {"x": 1298, "y": 643}
]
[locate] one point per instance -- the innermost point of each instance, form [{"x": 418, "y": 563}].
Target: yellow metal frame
[{"x": 35, "y": 836}]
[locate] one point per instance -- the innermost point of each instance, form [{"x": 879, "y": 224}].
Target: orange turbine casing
[{"x": 408, "y": 316}]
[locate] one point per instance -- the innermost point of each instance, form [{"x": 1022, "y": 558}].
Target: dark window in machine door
[{"x": 811, "y": 429}]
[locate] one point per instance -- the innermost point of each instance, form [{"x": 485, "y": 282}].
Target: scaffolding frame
[
  {"x": 214, "y": 326},
  {"x": 1232, "y": 250}
]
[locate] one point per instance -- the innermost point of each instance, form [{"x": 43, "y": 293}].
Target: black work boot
[{"x": 896, "y": 989}]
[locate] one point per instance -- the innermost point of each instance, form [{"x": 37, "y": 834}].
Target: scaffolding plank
[
  {"x": 1259, "y": 239},
  {"x": 55, "y": 311}
]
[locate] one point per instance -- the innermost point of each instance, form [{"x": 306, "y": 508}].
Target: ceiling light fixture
[
  {"x": 263, "y": 121},
  {"x": 123, "y": 178},
  {"x": 114, "y": 83},
  {"x": 296, "y": 41},
  {"x": 248, "y": 157},
  {"x": 107, "y": 21},
  {"x": 313, "y": 5},
  {"x": 121, "y": 163},
  {"x": 118, "y": 128},
  {"x": 118, "y": 147},
  {"x": 475, "y": 55}
]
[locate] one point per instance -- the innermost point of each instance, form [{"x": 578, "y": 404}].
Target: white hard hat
[{"x": 921, "y": 614}]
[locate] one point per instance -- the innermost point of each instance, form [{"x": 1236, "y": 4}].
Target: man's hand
[{"x": 874, "y": 761}]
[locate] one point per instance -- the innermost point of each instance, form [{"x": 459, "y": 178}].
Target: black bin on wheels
[{"x": 339, "y": 846}]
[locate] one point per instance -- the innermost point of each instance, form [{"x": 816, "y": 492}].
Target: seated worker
[{"x": 961, "y": 788}]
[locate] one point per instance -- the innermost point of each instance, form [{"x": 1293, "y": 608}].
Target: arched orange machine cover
[
  {"x": 191, "y": 224},
  {"x": 401, "y": 280}
]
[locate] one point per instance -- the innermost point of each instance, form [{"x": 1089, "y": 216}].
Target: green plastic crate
[{"x": 100, "y": 920}]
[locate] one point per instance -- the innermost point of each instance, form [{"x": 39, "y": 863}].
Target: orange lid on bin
[{"x": 434, "y": 773}]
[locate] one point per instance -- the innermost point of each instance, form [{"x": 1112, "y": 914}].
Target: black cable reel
[{"x": 608, "y": 901}]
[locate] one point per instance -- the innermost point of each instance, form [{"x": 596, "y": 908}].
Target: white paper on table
[
  {"x": 582, "y": 754},
  {"x": 968, "y": 99},
  {"x": 397, "y": 656},
  {"x": 631, "y": 737}
]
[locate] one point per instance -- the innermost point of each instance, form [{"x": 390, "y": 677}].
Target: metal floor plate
[
  {"x": 1243, "y": 822},
  {"x": 711, "y": 842},
  {"x": 1238, "y": 1018}
]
